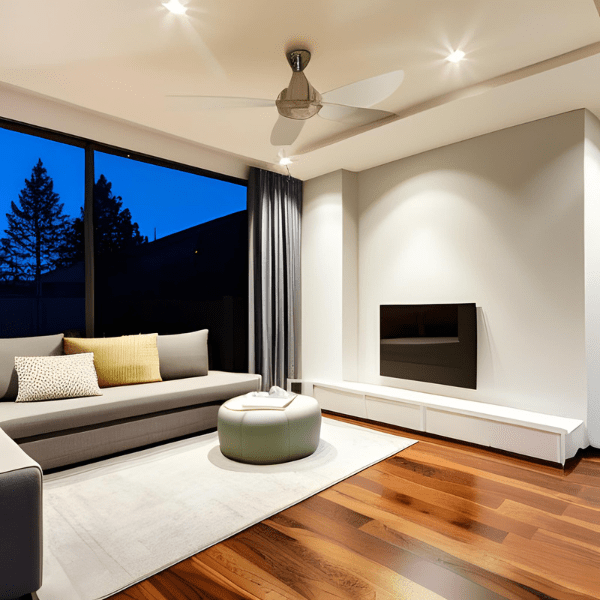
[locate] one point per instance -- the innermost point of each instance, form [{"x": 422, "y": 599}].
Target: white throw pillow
[{"x": 52, "y": 377}]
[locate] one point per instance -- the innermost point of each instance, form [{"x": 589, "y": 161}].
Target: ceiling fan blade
[
  {"x": 367, "y": 92},
  {"x": 286, "y": 131},
  {"x": 352, "y": 115},
  {"x": 202, "y": 102}
]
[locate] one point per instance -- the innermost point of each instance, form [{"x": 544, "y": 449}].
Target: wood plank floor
[{"x": 440, "y": 520}]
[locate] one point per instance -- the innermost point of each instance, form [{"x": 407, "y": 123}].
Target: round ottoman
[{"x": 264, "y": 436}]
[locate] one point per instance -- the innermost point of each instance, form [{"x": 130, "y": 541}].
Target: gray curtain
[{"x": 274, "y": 213}]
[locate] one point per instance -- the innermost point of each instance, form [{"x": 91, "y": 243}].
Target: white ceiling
[{"x": 525, "y": 59}]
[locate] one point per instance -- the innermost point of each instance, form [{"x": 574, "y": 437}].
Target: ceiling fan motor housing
[{"x": 299, "y": 100}]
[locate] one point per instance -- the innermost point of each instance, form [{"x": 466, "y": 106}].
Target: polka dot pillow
[{"x": 52, "y": 377}]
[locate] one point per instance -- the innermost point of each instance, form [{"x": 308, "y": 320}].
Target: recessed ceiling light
[
  {"x": 456, "y": 56},
  {"x": 175, "y": 7}
]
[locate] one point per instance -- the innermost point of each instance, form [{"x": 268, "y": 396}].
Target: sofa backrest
[
  {"x": 43, "y": 345},
  {"x": 180, "y": 355}
]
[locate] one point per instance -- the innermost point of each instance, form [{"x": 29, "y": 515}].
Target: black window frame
[{"x": 90, "y": 146}]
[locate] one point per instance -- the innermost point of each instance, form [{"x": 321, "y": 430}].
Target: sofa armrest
[{"x": 20, "y": 521}]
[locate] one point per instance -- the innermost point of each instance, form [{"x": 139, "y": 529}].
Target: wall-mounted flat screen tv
[{"x": 436, "y": 343}]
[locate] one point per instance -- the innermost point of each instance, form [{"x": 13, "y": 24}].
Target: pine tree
[
  {"x": 9, "y": 271},
  {"x": 36, "y": 230},
  {"x": 113, "y": 228},
  {"x": 73, "y": 250}
]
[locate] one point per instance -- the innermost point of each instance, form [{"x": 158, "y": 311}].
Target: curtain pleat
[{"x": 274, "y": 220}]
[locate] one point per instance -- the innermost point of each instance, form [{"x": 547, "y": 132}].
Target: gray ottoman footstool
[{"x": 269, "y": 435}]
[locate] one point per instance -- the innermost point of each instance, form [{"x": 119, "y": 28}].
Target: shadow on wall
[{"x": 487, "y": 356}]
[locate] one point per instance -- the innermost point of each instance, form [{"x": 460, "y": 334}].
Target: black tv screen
[{"x": 436, "y": 343}]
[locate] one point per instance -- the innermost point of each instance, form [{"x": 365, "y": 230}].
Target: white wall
[
  {"x": 350, "y": 276},
  {"x": 329, "y": 276},
  {"x": 321, "y": 260},
  {"x": 496, "y": 220},
  {"x": 37, "y": 110},
  {"x": 592, "y": 272}
]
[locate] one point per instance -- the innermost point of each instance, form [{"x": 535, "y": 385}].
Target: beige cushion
[
  {"x": 120, "y": 360},
  {"x": 43, "y": 345},
  {"x": 183, "y": 354},
  {"x": 52, "y": 377}
]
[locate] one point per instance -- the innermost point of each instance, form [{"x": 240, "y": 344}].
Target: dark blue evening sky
[
  {"x": 161, "y": 198},
  {"x": 168, "y": 199},
  {"x": 19, "y": 153}
]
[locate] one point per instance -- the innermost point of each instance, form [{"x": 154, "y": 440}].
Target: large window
[
  {"x": 171, "y": 255},
  {"x": 169, "y": 251},
  {"x": 42, "y": 287}
]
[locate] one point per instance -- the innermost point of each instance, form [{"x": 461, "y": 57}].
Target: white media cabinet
[{"x": 536, "y": 435}]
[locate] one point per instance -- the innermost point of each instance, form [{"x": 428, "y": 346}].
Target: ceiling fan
[{"x": 300, "y": 101}]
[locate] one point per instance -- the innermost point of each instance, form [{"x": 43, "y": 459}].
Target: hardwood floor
[{"x": 438, "y": 520}]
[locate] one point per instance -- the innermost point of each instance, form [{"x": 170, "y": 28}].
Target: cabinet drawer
[
  {"x": 341, "y": 402},
  {"x": 513, "y": 438},
  {"x": 458, "y": 427},
  {"x": 395, "y": 413}
]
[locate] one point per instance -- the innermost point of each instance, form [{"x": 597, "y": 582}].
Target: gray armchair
[{"x": 20, "y": 521}]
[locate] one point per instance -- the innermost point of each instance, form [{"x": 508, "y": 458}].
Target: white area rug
[{"x": 111, "y": 524}]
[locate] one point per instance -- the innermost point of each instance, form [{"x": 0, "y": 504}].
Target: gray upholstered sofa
[{"x": 55, "y": 433}]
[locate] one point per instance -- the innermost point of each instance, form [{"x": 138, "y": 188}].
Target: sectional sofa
[{"x": 45, "y": 434}]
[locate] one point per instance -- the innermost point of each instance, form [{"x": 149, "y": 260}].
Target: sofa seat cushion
[{"x": 26, "y": 420}]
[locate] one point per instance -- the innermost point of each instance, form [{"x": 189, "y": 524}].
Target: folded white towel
[
  {"x": 276, "y": 397},
  {"x": 266, "y": 402}
]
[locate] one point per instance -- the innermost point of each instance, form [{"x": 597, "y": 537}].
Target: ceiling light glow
[
  {"x": 284, "y": 160},
  {"x": 175, "y": 7},
  {"x": 456, "y": 56}
]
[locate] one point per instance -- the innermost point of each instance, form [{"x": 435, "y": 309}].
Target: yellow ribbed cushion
[{"x": 120, "y": 360}]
